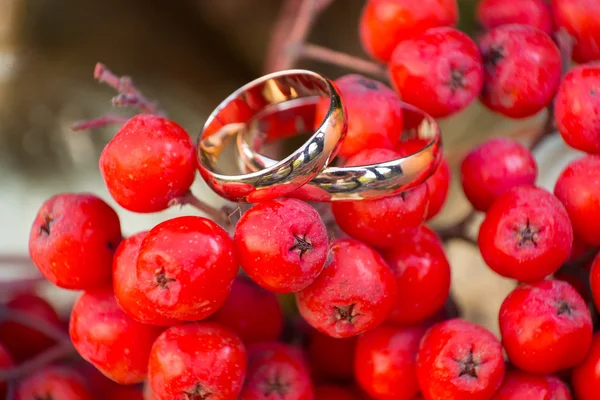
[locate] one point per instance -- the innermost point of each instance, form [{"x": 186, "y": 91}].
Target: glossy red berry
[
  {"x": 276, "y": 371},
  {"x": 385, "y": 364},
  {"x": 385, "y": 23},
  {"x": 334, "y": 392},
  {"x": 536, "y": 13},
  {"x": 331, "y": 358},
  {"x": 439, "y": 71},
  {"x": 186, "y": 266},
  {"x": 546, "y": 326},
  {"x": 422, "y": 277},
  {"x": 578, "y": 188},
  {"x": 526, "y": 234},
  {"x": 374, "y": 114},
  {"x": 384, "y": 222},
  {"x": 252, "y": 312},
  {"x": 5, "y": 363},
  {"x": 586, "y": 375},
  {"x": 493, "y": 168},
  {"x": 354, "y": 293},
  {"x": 520, "y": 385},
  {"x": 522, "y": 70},
  {"x": 53, "y": 383},
  {"x": 73, "y": 239},
  {"x": 581, "y": 18},
  {"x": 197, "y": 361},
  {"x": 149, "y": 162}
]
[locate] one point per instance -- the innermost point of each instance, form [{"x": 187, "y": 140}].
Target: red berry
[
  {"x": 331, "y": 358},
  {"x": 493, "y": 168},
  {"x": 526, "y": 234},
  {"x": 385, "y": 23},
  {"x": 185, "y": 267},
  {"x": 586, "y": 375},
  {"x": 519, "y": 385},
  {"x": 276, "y": 372},
  {"x": 581, "y": 18},
  {"x": 382, "y": 222},
  {"x": 53, "y": 383},
  {"x": 546, "y": 326},
  {"x": 422, "y": 277},
  {"x": 282, "y": 244},
  {"x": 24, "y": 342},
  {"x": 354, "y": 293},
  {"x": 374, "y": 114},
  {"x": 252, "y": 312},
  {"x": 439, "y": 71},
  {"x": 197, "y": 361},
  {"x": 111, "y": 341},
  {"x": 536, "y": 13},
  {"x": 5, "y": 363},
  {"x": 595, "y": 280},
  {"x": 149, "y": 162},
  {"x": 128, "y": 293},
  {"x": 385, "y": 364},
  {"x": 522, "y": 70},
  {"x": 459, "y": 360},
  {"x": 73, "y": 239},
  {"x": 333, "y": 392},
  {"x": 578, "y": 188}
]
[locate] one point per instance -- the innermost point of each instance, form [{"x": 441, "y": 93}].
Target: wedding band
[
  {"x": 357, "y": 182},
  {"x": 265, "y": 96}
]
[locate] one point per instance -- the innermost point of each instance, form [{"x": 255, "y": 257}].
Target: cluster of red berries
[{"x": 169, "y": 307}]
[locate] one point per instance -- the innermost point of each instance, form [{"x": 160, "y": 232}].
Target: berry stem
[
  {"x": 100, "y": 122},
  {"x": 221, "y": 216},
  {"x": 36, "y": 324},
  {"x": 56, "y": 353}
]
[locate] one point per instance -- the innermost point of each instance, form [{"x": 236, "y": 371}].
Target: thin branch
[
  {"x": 33, "y": 323},
  {"x": 220, "y": 216},
  {"x": 56, "y": 353},
  {"x": 100, "y": 122}
]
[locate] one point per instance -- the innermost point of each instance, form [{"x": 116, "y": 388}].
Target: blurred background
[{"x": 188, "y": 55}]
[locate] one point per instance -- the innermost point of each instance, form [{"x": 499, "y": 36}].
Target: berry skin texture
[
  {"x": 520, "y": 385},
  {"x": 53, "y": 383},
  {"x": 186, "y": 266},
  {"x": 493, "y": 168},
  {"x": 577, "y": 108},
  {"x": 105, "y": 336},
  {"x": 422, "y": 277},
  {"x": 73, "y": 239},
  {"x": 459, "y": 360},
  {"x": 281, "y": 244},
  {"x": 586, "y": 375},
  {"x": 578, "y": 188},
  {"x": 382, "y": 223},
  {"x": 331, "y": 358},
  {"x": 536, "y": 13},
  {"x": 526, "y": 234},
  {"x": 197, "y": 361},
  {"x": 546, "y": 326},
  {"x": 581, "y": 18},
  {"x": 5, "y": 363},
  {"x": 149, "y": 162},
  {"x": 385, "y": 23},
  {"x": 374, "y": 114},
  {"x": 354, "y": 293},
  {"x": 276, "y": 371},
  {"x": 252, "y": 312},
  {"x": 522, "y": 70},
  {"x": 439, "y": 71},
  {"x": 385, "y": 362}
]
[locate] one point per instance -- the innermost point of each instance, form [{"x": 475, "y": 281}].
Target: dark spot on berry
[
  {"x": 367, "y": 83},
  {"x": 302, "y": 245},
  {"x": 45, "y": 227},
  {"x": 347, "y": 313},
  {"x": 276, "y": 385},
  {"x": 457, "y": 79},
  {"x": 492, "y": 58},
  {"x": 593, "y": 92},
  {"x": 563, "y": 308},
  {"x": 527, "y": 235},
  {"x": 403, "y": 195},
  {"x": 162, "y": 279},
  {"x": 198, "y": 392},
  {"x": 468, "y": 366},
  {"x": 111, "y": 246}
]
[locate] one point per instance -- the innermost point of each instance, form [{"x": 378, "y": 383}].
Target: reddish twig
[
  {"x": 329, "y": 56},
  {"x": 100, "y": 122},
  {"x": 34, "y": 323},
  {"x": 56, "y": 353},
  {"x": 221, "y": 216}
]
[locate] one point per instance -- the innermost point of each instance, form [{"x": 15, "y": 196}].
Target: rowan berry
[
  {"x": 196, "y": 361},
  {"x": 383, "y": 222},
  {"x": 374, "y": 114},
  {"x": 536, "y": 13},
  {"x": 546, "y": 326},
  {"x": 439, "y": 71},
  {"x": 493, "y": 168},
  {"x": 459, "y": 360},
  {"x": 586, "y": 375},
  {"x": 5, "y": 363},
  {"x": 331, "y": 358},
  {"x": 149, "y": 162},
  {"x": 53, "y": 383},
  {"x": 334, "y": 392},
  {"x": 186, "y": 266},
  {"x": 520, "y": 385},
  {"x": 73, "y": 240},
  {"x": 526, "y": 234},
  {"x": 354, "y": 293},
  {"x": 281, "y": 244},
  {"x": 581, "y": 18},
  {"x": 578, "y": 188},
  {"x": 522, "y": 70},
  {"x": 385, "y": 23},
  {"x": 385, "y": 364}
]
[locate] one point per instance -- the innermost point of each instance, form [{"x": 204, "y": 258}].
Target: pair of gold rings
[{"x": 282, "y": 105}]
